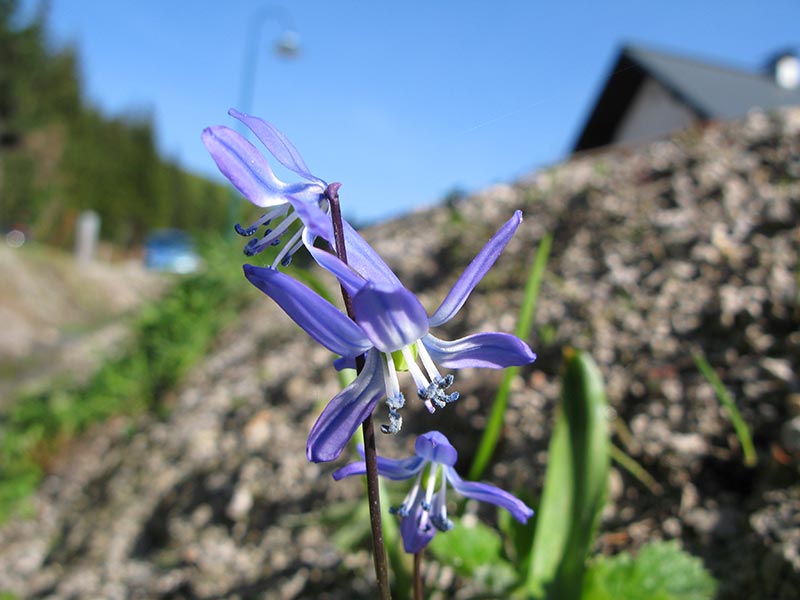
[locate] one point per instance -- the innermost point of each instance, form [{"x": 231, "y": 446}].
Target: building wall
[{"x": 653, "y": 113}]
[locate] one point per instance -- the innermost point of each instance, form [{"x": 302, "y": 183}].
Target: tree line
[{"x": 60, "y": 156}]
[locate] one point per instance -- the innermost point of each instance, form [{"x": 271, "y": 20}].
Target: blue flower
[
  {"x": 250, "y": 173},
  {"x": 424, "y": 511},
  {"x": 392, "y": 328}
]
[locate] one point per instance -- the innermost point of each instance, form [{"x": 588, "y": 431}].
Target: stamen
[
  {"x": 434, "y": 394},
  {"x": 423, "y": 523},
  {"x": 298, "y": 244},
  {"x": 430, "y": 391},
  {"x": 394, "y": 403},
  {"x": 246, "y": 232},
  {"x": 439, "y": 511},
  {"x": 408, "y": 502},
  {"x": 426, "y": 518},
  {"x": 394, "y": 398},
  {"x": 431, "y": 486},
  {"x": 252, "y": 247},
  {"x": 443, "y": 384},
  {"x": 283, "y": 226},
  {"x": 271, "y": 237},
  {"x": 419, "y": 378},
  {"x": 427, "y": 362},
  {"x": 263, "y": 220},
  {"x": 285, "y": 255}
]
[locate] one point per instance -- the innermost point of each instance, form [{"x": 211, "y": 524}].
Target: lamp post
[{"x": 287, "y": 46}]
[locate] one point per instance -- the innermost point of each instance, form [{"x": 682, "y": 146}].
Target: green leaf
[
  {"x": 467, "y": 547},
  {"x": 575, "y": 484},
  {"x": 518, "y": 536},
  {"x": 494, "y": 425},
  {"x": 400, "y": 563},
  {"x": 475, "y": 551},
  {"x": 739, "y": 424},
  {"x": 661, "y": 571}
]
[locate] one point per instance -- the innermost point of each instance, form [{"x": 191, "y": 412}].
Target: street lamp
[{"x": 287, "y": 46}]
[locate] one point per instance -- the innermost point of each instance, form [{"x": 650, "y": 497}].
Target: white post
[{"x": 87, "y": 233}]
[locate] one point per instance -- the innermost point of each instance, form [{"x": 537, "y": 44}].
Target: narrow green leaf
[
  {"x": 575, "y": 484},
  {"x": 635, "y": 469},
  {"x": 554, "y": 514},
  {"x": 739, "y": 425},
  {"x": 494, "y": 425}
]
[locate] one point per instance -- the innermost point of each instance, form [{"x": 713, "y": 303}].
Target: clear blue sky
[{"x": 400, "y": 101}]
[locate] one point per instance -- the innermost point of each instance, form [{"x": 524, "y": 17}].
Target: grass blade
[
  {"x": 494, "y": 425},
  {"x": 739, "y": 425}
]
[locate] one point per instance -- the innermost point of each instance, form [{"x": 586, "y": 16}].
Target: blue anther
[
  {"x": 251, "y": 248},
  {"x": 245, "y": 232},
  {"x": 396, "y": 402},
  {"x": 395, "y": 420},
  {"x": 434, "y": 394},
  {"x": 401, "y": 510},
  {"x": 442, "y": 524}
]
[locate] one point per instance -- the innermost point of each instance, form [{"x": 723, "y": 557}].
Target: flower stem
[
  {"x": 367, "y": 427},
  {"x": 418, "y": 575}
]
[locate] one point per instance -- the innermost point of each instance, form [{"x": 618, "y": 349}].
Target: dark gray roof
[
  {"x": 714, "y": 91},
  {"x": 711, "y": 91}
]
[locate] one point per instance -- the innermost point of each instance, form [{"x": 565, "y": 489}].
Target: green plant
[
  {"x": 660, "y": 571},
  {"x": 575, "y": 484},
  {"x": 494, "y": 425},
  {"x": 170, "y": 336},
  {"x": 739, "y": 424}
]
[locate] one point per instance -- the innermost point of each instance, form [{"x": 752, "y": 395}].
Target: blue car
[{"x": 170, "y": 251}]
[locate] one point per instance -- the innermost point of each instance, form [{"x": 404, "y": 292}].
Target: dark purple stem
[
  {"x": 367, "y": 427},
  {"x": 418, "y": 591}
]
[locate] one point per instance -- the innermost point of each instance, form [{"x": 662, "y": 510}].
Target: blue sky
[{"x": 400, "y": 101}]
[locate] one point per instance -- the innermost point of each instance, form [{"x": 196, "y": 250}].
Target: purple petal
[
  {"x": 354, "y": 468},
  {"x": 318, "y": 317},
  {"x": 244, "y": 166},
  {"x": 391, "y": 318},
  {"x": 353, "y": 274},
  {"x": 348, "y": 409},
  {"x": 487, "y": 350},
  {"x": 365, "y": 260},
  {"x": 434, "y": 446},
  {"x": 416, "y": 529},
  {"x": 277, "y": 143},
  {"x": 394, "y": 469},
  {"x": 399, "y": 469},
  {"x": 475, "y": 272},
  {"x": 361, "y": 257},
  {"x": 350, "y": 280},
  {"x": 345, "y": 362},
  {"x": 484, "y": 492}
]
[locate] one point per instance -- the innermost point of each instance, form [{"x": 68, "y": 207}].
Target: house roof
[{"x": 710, "y": 91}]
